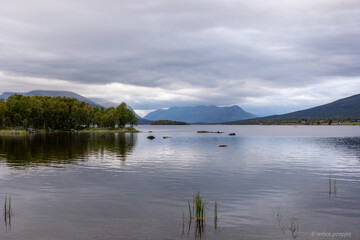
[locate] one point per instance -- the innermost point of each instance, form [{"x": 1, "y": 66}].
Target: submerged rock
[
  {"x": 209, "y": 132},
  {"x": 165, "y": 137},
  {"x": 150, "y": 137}
]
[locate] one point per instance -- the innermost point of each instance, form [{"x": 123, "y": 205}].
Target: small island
[{"x": 168, "y": 122}]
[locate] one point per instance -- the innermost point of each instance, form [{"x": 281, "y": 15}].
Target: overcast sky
[{"x": 266, "y": 56}]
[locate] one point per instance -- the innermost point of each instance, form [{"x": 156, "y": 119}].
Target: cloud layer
[{"x": 155, "y": 54}]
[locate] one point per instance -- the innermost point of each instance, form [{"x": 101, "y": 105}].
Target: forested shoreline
[
  {"x": 60, "y": 113},
  {"x": 168, "y": 122}
]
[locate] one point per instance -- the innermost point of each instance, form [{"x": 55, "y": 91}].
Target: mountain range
[
  {"x": 200, "y": 114},
  {"x": 68, "y": 94},
  {"x": 341, "y": 109}
]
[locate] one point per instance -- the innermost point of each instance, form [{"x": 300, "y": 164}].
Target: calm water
[{"x": 271, "y": 182}]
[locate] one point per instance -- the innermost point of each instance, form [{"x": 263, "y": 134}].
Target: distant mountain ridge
[
  {"x": 94, "y": 102},
  {"x": 344, "y": 108},
  {"x": 107, "y": 104},
  {"x": 203, "y": 114},
  {"x": 68, "y": 94}
]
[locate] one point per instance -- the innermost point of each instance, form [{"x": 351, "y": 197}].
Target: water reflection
[
  {"x": 59, "y": 149},
  {"x": 143, "y": 198}
]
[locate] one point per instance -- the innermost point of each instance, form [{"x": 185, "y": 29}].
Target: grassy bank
[
  {"x": 104, "y": 130},
  {"x": 349, "y": 123},
  {"x": 12, "y": 132}
]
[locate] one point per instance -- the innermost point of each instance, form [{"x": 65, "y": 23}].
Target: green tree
[
  {"x": 3, "y": 113},
  {"x": 125, "y": 115},
  {"x": 109, "y": 118}
]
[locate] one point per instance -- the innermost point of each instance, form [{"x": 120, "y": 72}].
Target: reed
[
  {"x": 216, "y": 210},
  {"x": 183, "y": 222},
  {"x": 215, "y": 215},
  {"x": 293, "y": 227},
  {"x": 330, "y": 186},
  {"x": 199, "y": 207},
  {"x": 190, "y": 215},
  {"x": 197, "y": 212},
  {"x": 8, "y": 211}
]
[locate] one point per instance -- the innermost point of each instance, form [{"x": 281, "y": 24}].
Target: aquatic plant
[
  {"x": 215, "y": 210},
  {"x": 8, "y": 211},
  {"x": 332, "y": 187},
  {"x": 293, "y": 227},
  {"x": 190, "y": 217},
  {"x": 197, "y": 212},
  {"x": 329, "y": 186},
  {"x": 215, "y": 215},
  {"x": 198, "y": 206},
  {"x": 286, "y": 227}
]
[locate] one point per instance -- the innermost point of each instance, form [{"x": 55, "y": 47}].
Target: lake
[{"x": 269, "y": 182}]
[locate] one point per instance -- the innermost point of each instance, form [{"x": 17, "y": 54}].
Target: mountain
[
  {"x": 95, "y": 102},
  {"x": 6, "y": 95},
  {"x": 341, "y": 109},
  {"x": 107, "y": 104},
  {"x": 68, "y": 94},
  {"x": 104, "y": 102},
  {"x": 204, "y": 114}
]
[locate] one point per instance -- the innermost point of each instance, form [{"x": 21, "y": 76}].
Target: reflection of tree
[
  {"x": 120, "y": 144},
  {"x": 50, "y": 149}
]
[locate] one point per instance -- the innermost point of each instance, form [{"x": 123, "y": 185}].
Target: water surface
[{"x": 125, "y": 186}]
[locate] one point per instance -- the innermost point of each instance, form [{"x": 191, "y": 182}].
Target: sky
[{"x": 267, "y": 56}]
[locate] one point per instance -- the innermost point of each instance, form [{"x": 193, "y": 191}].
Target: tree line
[
  {"x": 41, "y": 112},
  {"x": 168, "y": 122}
]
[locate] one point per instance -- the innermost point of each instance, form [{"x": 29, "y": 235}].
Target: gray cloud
[{"x": 229, "y": 51}]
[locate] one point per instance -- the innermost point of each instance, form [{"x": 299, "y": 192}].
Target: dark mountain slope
[
  {"x": 341, "y": 109},
  {"x": 208, "y": 114}
]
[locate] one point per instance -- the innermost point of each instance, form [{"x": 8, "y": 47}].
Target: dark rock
[
  {"x": 150, "y": 137},
  {"x": 232, "y": 134},
  {"x": 165, "y": 137},
  {"x": 223, "y": 145},
  {"x": 208, "y": 132}
]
